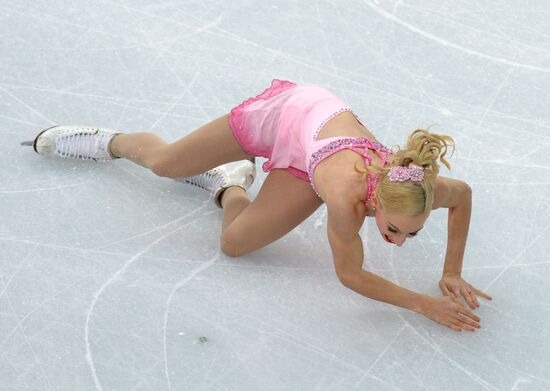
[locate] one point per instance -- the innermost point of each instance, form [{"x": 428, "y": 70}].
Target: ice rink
[{"x": 111, "y": 278}]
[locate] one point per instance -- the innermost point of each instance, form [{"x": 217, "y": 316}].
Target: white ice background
[{"x": 112, "y": 278}]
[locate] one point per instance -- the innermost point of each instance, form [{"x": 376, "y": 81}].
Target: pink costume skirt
[{"x": 282, "y": 123}]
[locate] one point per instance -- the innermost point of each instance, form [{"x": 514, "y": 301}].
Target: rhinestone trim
[{"x": 350, "y": 143}]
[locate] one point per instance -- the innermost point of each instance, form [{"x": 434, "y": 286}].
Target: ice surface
[{"x": 112, "y": 279}]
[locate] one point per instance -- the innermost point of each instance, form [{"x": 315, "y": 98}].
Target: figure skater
[{"x": 318, "y": 152}]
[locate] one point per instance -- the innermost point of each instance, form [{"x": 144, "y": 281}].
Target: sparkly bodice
[{"x": 353, "y": 143}]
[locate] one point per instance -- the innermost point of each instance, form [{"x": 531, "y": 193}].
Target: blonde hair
[{"x": 413, "y": 198}]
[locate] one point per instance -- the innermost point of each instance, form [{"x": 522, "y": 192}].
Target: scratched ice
[{"x": 112, "y": 279}]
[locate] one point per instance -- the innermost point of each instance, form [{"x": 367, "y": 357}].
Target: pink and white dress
[{"x": 282, "y": 124}]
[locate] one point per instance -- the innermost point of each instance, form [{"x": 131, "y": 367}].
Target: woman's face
[{"x": 397, "y": 228}]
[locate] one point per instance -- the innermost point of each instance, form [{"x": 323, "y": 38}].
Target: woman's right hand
[{"x": 449, "y": 311}]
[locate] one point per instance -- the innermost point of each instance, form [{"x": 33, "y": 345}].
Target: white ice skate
[
  {"x": 74, "y": 142},
  {"x": 215, "y": 181}
]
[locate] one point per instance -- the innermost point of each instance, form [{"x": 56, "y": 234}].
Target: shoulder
[
  {"x": 336, "y": 178},
  {"x": 448, "y": 192}
]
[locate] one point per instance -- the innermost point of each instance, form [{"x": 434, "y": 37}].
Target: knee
[
  {"x": 160, "y": 168},
  {"x": 231, "y": 245}
]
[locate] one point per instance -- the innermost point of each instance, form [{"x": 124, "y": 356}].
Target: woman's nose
[{"x": 399, "y": 240}]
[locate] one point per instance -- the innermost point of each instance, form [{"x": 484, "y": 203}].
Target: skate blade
[{"x": 27, "y": 143}]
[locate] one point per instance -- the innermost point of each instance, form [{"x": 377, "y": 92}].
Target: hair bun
[
  {"x": 424, "y": 149},
  {"x": 413, "y": 197}
]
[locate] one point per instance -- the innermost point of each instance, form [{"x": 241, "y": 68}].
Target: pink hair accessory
[{"x": 401, "y": 174}]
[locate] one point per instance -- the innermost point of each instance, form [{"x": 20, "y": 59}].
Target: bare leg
[
  {"x": 282, "y": 203},
  {"x": 234, "y": 201},
  {"x": 140, "y": 148},
  {"x": 207, "y": 147}
]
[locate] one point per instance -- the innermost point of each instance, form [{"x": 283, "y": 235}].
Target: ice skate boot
[
  {"x": 216, "y": 180},
  {"x": 74, "y": 142}
]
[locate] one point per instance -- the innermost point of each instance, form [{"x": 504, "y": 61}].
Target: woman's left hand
[{"x": 453, "y": 284}]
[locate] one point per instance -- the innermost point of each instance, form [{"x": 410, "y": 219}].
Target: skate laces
[
  {"x": 208, "y": 180},
  {"x": 84, "y": 145}
]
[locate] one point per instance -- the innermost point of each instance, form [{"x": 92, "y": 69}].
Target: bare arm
[
  {"x": 347, "y": 250},
  {"x": 457, "y": 197},
  {"x": 347, "y": 253}
]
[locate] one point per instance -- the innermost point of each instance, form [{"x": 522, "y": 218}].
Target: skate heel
[{"x": 217, "y": 180}]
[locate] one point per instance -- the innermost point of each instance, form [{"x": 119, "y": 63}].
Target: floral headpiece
[{"x": 401, "y": 174}]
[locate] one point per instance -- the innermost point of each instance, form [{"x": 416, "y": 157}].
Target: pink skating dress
[{"x": 282, "y": 124}]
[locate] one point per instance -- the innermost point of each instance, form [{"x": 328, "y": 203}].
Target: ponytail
[{"x": 413, "y": 198}]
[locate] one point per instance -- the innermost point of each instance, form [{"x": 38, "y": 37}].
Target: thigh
[
  {"x": 283, "y": 202},
  {"x": 207, "y": 147}
]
